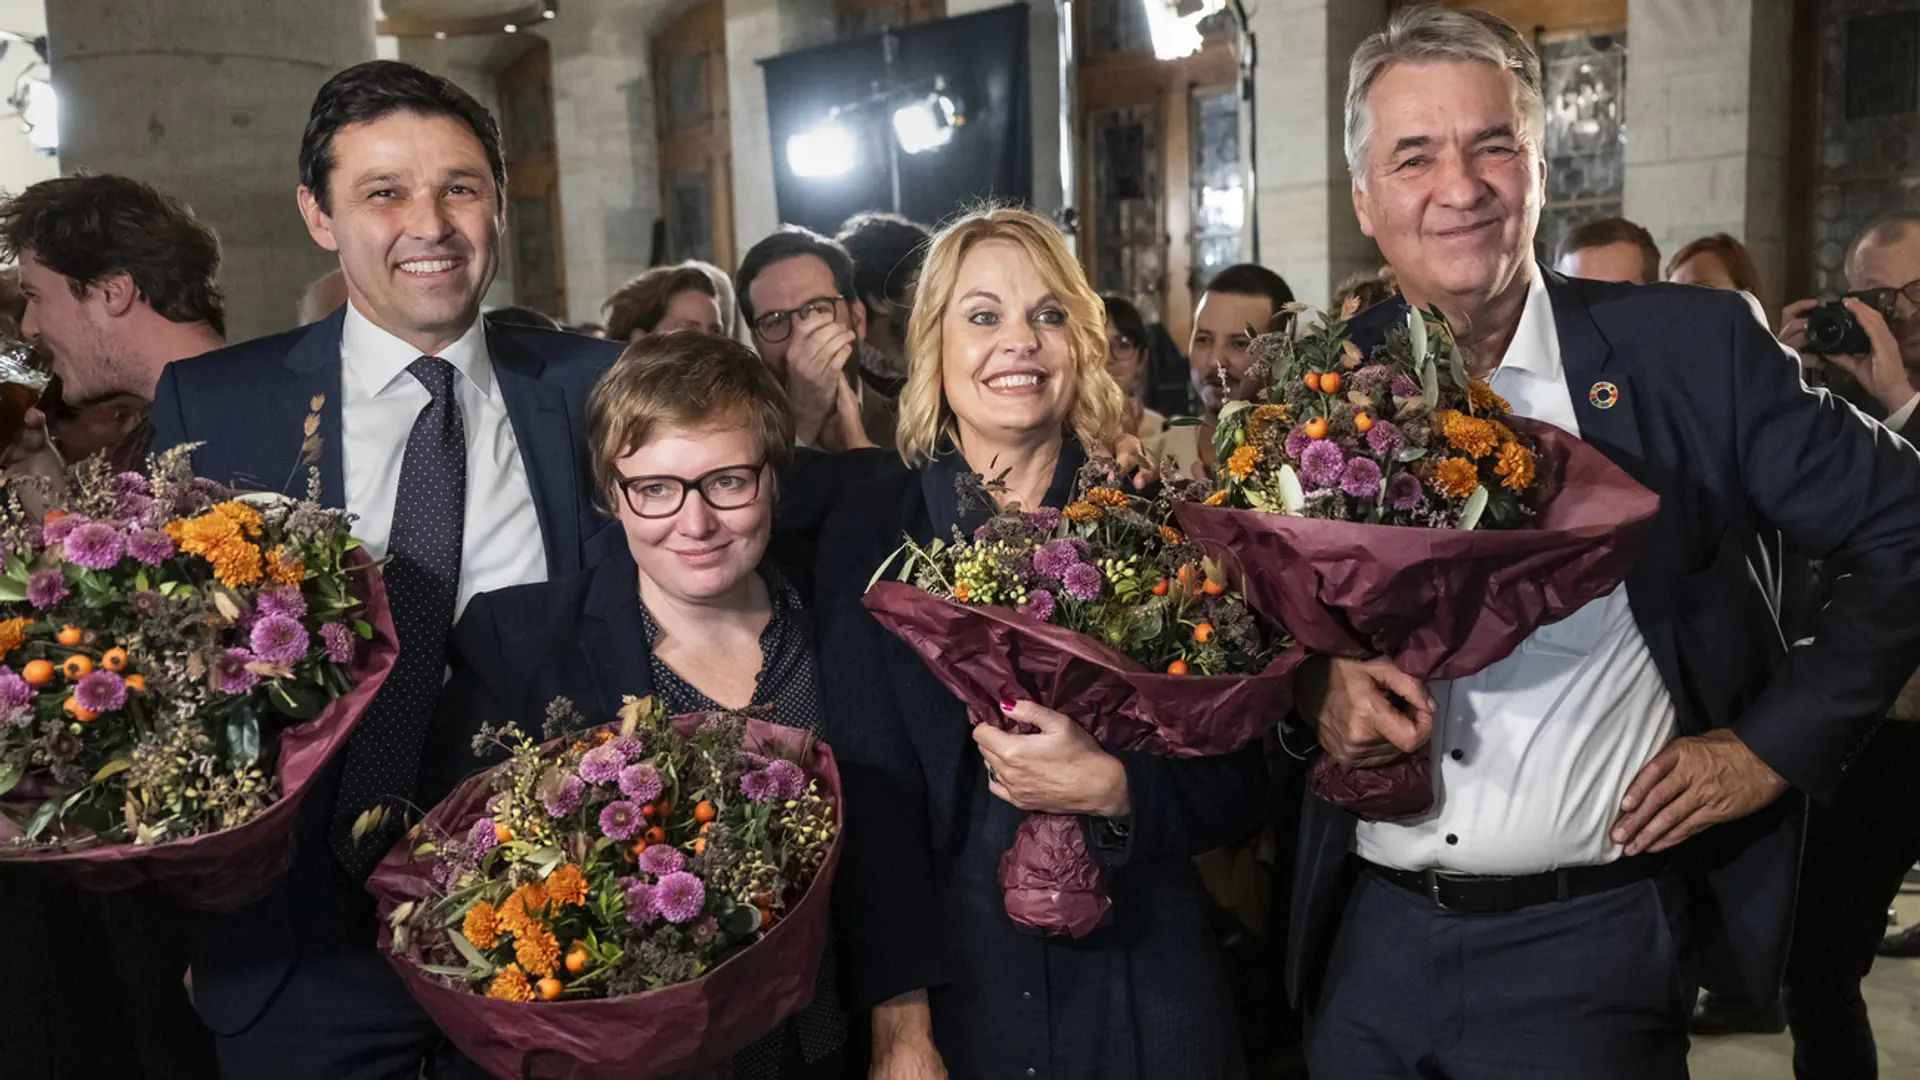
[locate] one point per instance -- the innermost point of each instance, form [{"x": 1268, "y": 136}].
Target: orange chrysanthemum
[
  {"x": 1241, "y": 462},
  {"x": 1483, "y": 396},
  {"x": 1470, "y": 436},
  {"x": 242, "y": 515},
  {"x": 220, "y": 537},
  {"x": 283, "y": 568},
  {"x": 1456, "y": 478},
  {"x": 516, "y": 914},
  {"x": 1216, "y": 499},
  {"x": 538, "y": 952},
  {"x": 481, "y": 927},
  {"x": 510, "y": 985},
  {"x": 1082, "y": 512},
  {"x": 1101, "y": 496},
  {"x": 567, "y": 885},
  {"x": 1516, "y": 464},
  {"x": 1272, "y": 414},
  {"x": 1172, "y": 535},
  {"x": 12, "y": 633},
  {"x": 236, "y": 563}
]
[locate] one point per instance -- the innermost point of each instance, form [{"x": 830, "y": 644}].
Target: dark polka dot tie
[{"x": 423, "y": 584}]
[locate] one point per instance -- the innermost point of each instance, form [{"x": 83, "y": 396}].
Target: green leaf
[
  {"x": 168, "y": 588},
  {"x": 140, "y": 581},
  {"x": 243, "y": 734},
  {"x": 1459, "y": 370},
  {"x": 12, "y": 592},
  {"x": 1476, "y": 505},
  {"x": 10, "y": 773},
  {"x": 1417, "y": 335},
  {"x": 1412, "y": 453},
  {"x": 1183, "y": 421},
  {"x": 1232, "y": 409},
  {"x": 117, "y": 765},
  {"x": 476, "y": 960},
  {"x": 297, "y": 700},
  {"x": 42, "y": 818},
  {"x": 1430, "y": 384},
  {"x": 740, "y": 920},
  {"x": 364, "y": 629}
]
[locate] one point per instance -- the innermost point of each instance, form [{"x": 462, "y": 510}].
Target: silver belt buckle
[{"x": 1433, "y": 888}]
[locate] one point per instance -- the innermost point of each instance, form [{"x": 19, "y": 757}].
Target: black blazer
[
  {"x": 245, "y": 404},
  {"x": 1711, "y": 414},
  {"x": 908, "y": 764}
]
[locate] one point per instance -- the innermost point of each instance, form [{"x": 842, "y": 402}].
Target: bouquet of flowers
[
  {"x": 1105, "y": 612},
  {"x": 636, "y": 900},
  {"x": 1393, "y": 507},
  {"x": 176, "y": 662}
]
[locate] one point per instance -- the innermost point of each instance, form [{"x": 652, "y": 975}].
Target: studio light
[
  {"x": 927, "y": 123},
  {"x": 827, "y": 151},
  {"x": 1175, "y": 25},
  {"x": 39, "y": 111}
]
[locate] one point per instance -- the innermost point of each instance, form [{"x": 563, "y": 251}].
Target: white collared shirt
[
  {"x": 1532, "y": 755},
  {"x": 380, "y": 401}
]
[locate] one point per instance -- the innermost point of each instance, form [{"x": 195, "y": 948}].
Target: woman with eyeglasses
[{"x": 688, "y": 436}]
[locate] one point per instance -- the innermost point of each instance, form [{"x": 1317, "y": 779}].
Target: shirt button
[
  {"x": 1459, "y": 755},
  {"x": 1452, "y": 839}
]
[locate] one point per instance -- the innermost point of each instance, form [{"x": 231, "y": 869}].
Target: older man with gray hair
[{"x": 1622, "y": 796}]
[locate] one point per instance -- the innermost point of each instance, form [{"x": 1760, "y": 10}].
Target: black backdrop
[{"x": 982, "y": 57}]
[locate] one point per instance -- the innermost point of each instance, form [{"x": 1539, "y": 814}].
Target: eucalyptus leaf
[
  {"x": 1430, "y": 384},
  {"x": 1417, "y": 335},
  {"x": 42, "y": 818},
  {"x": 476, "y": 960},
  {"x": 1458, "y": 368},
  {"x": 243, "y": 734},
  {"x": 1476, "y": 505},
  {"x": 10, "y": 774},
  {"x": 1183, "y": 421},
  {"x": 546, "y": 860},
  {"x": 1292, "y": 496},
  {"x": 1412, "y": 453},
  {"x": 12, "y": 592},
  {"x": 118, "y": 765},
  {"x": 1232, "y": 409}
]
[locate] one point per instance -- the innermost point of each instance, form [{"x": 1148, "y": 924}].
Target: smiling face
[
  {"x": 416, "y": 218},
  {"x": 1006, "y": 363},
  {"x": 699, "y": 554},
  {"x": 1451, "y": 181},
  {"x": 76, "y": 332}
]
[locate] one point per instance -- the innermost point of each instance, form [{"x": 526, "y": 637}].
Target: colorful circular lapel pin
[{"x": 1604, "y": 395}]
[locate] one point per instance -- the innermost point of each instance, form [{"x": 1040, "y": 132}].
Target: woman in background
[{"x": 665, "y": 299}]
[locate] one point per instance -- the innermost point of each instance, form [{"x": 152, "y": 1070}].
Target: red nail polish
[{"x": 1006, "y": 706}]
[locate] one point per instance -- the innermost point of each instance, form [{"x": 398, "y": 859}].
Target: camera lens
[{"x": 1832, "y": 329}]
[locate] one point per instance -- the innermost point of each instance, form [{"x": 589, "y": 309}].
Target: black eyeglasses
[
  {"x": 1883, "y": 300},
  {"x": 776, "y": 326},
  {"x": 729, "y": 488}
]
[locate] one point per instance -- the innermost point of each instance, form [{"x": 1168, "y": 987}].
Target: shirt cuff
[{"x": 1898, "y": 421}]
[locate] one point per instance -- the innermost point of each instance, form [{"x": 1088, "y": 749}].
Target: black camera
[{"x": 1832, "y": 329}]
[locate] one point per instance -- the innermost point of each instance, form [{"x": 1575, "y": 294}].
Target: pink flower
[
  {"x": 1322, "y": 465},
  {"x": 640, "y": 902},
  {"x": 678, "y": 897},
  {"x": 790, "y": 781},
  {"x": 95, "y": 545},
  {"x": 280, "y": 600},
  {"x": 1404, "y": 387},
  {"x": 1404, "y": 492},
  {"x": 659, "y": 859},
  {"x": 566, "y": 798},
  {"x": 57, "y": 530},
  {"x": 339, "y": 642},
  {"x": 279, "y": 639},
  {"x": 1039, "y": 605},
  {"x": 641, "y": 783},
  {"x": 484, "y": 836},
  {"x": 602, "y": 764},
  {"x": 100, "y": 691},
  {"x": 150, "y": 546},
  {"x": 1361, "y": 478},
  {"x": 1385, "y": 439},
  {"x": 757, "y": 785},
  {"x": 46, "y": 588},
  {"x": 1297, "y": 443},
  {"x": 230, "y": 674},
  {"x": 620, "y": 820},
  {"x": 1082, "y": 582},
  {"x": 14, "y": 691}
]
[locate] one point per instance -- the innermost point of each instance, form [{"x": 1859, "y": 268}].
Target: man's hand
[
  {"x": 1793, "y": 326},
  {"x": 844, "y": 429},
  {"x": 1695, "y": 782},
  {"x": 903, "y": 1041},
  {"x": 815, "y": 360},
  {"x": 1059, "y": 770},
  {"x": 1130, "y": 458},
  {"x": 1881, "y": 373},
  {"x": 1368, "y": 711}
]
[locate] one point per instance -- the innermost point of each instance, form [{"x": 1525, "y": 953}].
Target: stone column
[
  {"x": 1308, "y": 232},
  {"x": 757, "y": 29},
  {"x": 1708, "y": 87},
  {"x": 207, "y": 99}
]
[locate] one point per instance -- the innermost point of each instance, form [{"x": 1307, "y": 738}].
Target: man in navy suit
[
  {"x": 1613, "y": 813},
  {"x": 458, "y": 445}
]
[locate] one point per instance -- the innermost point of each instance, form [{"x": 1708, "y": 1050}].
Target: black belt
[{"x": 1475, "y": 895}]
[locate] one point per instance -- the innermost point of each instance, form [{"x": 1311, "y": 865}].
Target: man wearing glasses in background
[
  {"x": 1861, "y": 845},
  {"x": 796, "y": 291}
]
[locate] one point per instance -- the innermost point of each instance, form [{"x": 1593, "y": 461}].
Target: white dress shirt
[
  {"x": 1532, "y": 755},
  {"x": 501, "y": 544}
]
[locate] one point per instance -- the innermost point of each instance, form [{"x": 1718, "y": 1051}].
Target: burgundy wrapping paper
[
  {"x": 232, "y": 868},
  {"x": 1440, "y": 603},
  {"x": 687, "y": 1029},
  {"x": 986, "y": 655}
]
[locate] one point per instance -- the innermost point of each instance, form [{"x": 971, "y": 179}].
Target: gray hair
[{"x": 1424, "y": 34}]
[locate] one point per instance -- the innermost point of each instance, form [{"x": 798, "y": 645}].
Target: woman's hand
[
  {"x": 903, "y": 1041},
  {"x": 1059, "y": 770}
]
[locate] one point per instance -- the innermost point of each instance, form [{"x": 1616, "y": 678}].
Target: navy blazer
[
  {"x": 1710, "y": 413},
  {"x": 245, "y": 405}
]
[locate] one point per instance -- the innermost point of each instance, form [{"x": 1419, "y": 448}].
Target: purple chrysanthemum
[
  {"x": 1404, "y": 492},
  {"x": 789, "y": 780},
  {"x": 1297, "y": 443},
  {"x": 132, "y": 507},
  {"x": 677, "y": 897},
  {"x": 1056, "y": 559},
  {"x": 95, "y": 545},
  {"x": 630, "y": 747},
  {"x": 661, "y": 860},
  {"x": 279, "y": 639},
  {"x": 338, "y": 641},
  {"x": 1039, "y": 605},
  {"x": 150, "y": 546},
  {"x": 619, "y": 820},
  {"x": 1385, "y": 439},
  {"x": 14, "y": 691},
  {"x": 1368, "y": 378},
  {"x": 1322, "y": 465},
  {"x": 1082, "y": 582},
  {"x": 757, "y": 785},
  {"x": 639, "y": 902},
  {"x": 602, "y": 764},
  {"x": 57, "y": 530},
  {"x": 230, "y": 674},
  {"x": 100, "y": 691},
  {"x": 1361, "y": 478},
  {"x": 131, "y": 483},
  {"x": 1403, "y": 387},
  {"x": 484, "y": 837},
  {"x": 641, "y": 783},
  {"x": 565, "y": 799},
  {"x": 46, "y": 588},
  {"x": 280, "y": 600},
  {"x": 1045, "y": 520}
]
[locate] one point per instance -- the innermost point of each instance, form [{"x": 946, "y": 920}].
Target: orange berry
[
  {"x": 1213, "y": 588},
  {"x": 69, "y": 636},
  {"x": 700, "y": 846},
  {"x": 137, "y": 683},
  {"x": 501, "y": 834},
  {"x": 656, "y": 835},
  {"x": 1160, "y": 587},
  {"x": 705, "y": 811},
  {"x": 1203, "y": 633},
  {"x": 638, "y": 847},
  {"x": 577, "y": 961},
  {"x": 704, "y": 828},
  {"x": 53, "y": 515},
  {"x": 77, "y": 665},
  {"x": 1312, "y": 379},
  {"x": 1317, "y": 428},
  {"x": 666, "y": 808},
  {"x": 1330, "y": 383},
  {"x": 114, "y": 659},
  {"x": 1178, "y": 667},
  {"x": 648, "y": 810},
  {"x": 37, "y": 672},
  {"x": 548, "y": 988},
  {"x": 80, "y": 714},
  {"x": 1362, "y": 423}
]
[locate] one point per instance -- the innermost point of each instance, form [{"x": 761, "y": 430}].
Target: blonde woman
[{"x": 1007, "y": 375}]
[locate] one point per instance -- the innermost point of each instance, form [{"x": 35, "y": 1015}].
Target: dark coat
[
  {"x": 918, "y": 908},
  {"x": 1712, "y": 416}
]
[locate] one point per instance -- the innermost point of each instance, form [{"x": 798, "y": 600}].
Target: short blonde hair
[
  {"x": 925, "y": 416},
  {"x": 683, "y": 379}
]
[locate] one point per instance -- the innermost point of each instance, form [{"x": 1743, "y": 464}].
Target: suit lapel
[
  {"x": 1603, "y": 393},
  {"x": 314, "y": 363},
  {"x": 615, "y": 640},
  {"x": 544, "y": 433}
]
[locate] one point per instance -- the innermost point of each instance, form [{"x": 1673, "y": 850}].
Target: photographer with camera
[{"x": 1860, "y": 846}]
